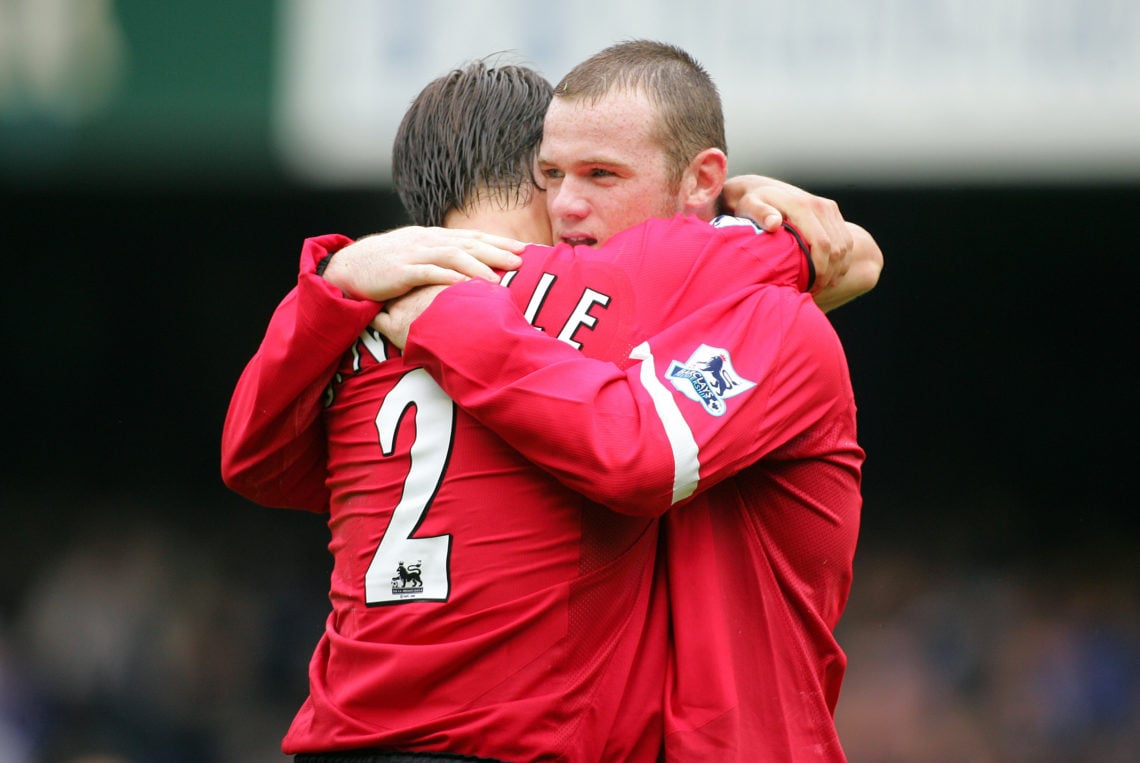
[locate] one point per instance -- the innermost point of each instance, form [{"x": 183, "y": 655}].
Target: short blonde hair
[{"x": 691, "y": 118}]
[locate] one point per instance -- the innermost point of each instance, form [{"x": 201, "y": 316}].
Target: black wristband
[
  {"x": 324, "y": 263},
  {"x": 807, "y": 253}
]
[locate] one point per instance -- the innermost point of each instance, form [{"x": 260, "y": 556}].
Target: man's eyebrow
[{"x": 589, "y": 160}]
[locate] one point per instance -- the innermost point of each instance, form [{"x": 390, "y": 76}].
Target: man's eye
[
  {"x": 598, "y": 172},
  {"x": 552, "y": 174}
]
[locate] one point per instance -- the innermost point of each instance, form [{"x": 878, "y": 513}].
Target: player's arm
[
  {"x": 862, "y": 274},
  {"x": 847, "y": 260},
  {"x": 386, "y": 265},
  {"x": 632, "y": 439},
  {"x": 273, "y": 445}
]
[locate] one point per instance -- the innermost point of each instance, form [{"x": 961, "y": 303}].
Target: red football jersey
[
  {"x": 456, "y": 560},
  {"x": 740, "y": 391},
  {"x": 479, "y": 607},
  {"x": 274, "y": 450}
]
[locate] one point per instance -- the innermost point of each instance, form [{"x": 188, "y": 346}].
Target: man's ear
[{"x": 703, "y": 181}]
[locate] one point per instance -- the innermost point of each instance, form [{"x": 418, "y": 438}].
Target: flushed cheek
[{"x": 627, "y": 212}]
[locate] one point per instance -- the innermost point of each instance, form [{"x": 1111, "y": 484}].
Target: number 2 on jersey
[{"x": 406, "y": 568}]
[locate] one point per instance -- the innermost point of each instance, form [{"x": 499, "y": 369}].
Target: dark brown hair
[{"x": 470, "y": 135}]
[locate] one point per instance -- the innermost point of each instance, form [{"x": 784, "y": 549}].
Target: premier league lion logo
[
  {"x": 722, "y": 379},
  {"x": 409, "y": 575},
  {"x": 708, "y": 378}
]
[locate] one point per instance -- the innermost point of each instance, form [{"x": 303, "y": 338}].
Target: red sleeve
[
  {"x": 791, "y": 266},
  {"x": 273, "y": 444},
  {"x": 710, "y": 394}
]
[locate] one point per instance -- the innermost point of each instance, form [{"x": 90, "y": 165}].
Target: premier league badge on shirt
[
  {"x": 708, "y": 378},
  {"x": 408, "y": 579}
]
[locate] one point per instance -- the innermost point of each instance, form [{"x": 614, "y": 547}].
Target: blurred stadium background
[{"x": 160, "y": 164}]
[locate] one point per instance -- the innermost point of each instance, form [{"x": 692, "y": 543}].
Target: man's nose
[{"x": 568, "y": 201}]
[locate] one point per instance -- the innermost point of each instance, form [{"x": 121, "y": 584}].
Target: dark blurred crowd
[
  {"x": 138, "y": 642},
  {"x": 991, "y": 664}
]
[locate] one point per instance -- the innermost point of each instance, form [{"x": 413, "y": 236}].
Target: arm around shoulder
[
  {"x": 866, "y": 264},
  {"x": 273, "y": 447}
]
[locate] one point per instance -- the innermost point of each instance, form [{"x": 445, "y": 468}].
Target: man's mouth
[{"x": 574, "y": 240}]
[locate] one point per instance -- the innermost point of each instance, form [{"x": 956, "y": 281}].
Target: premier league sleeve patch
[{"x": 708, "y": 378}]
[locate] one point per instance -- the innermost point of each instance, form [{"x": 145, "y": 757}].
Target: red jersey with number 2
[{"x": 479, "y": 606}]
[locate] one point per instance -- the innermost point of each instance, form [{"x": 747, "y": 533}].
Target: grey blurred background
[{"x": 161, "y": 163}]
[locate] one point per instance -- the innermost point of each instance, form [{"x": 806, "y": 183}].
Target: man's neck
[{"x": 519, "y": 223}]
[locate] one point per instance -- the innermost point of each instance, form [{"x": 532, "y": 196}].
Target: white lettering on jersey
[
  {"x": 538, "y": 297},
  {"x": 581, "y": 316},
  {"x": 406, "y": 567},
  {"x": 373, "y": 342}
]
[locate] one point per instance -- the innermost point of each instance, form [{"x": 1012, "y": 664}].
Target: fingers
[
  {"x": 756, "y": 205},
  {"x": 829, "y": 239},
  {"x": 395, "y": 331},
  {"x": 395, "y": 320},
  {"x": 480, "y": 259},
  {"x": 817, "y": 218},
  {"x": 473, "y": 253},
  {"x": 383, "y": 322},
  {"x": 447, "y": 265},
  {"x": 386, "y": 265},
  {"x": 769, "y": 217},
  {"x": 431, "y": 274},
  {"x": 498, "y": 242}
]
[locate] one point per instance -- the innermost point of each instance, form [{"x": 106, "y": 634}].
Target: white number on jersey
[{"x": 406, "y": 568}]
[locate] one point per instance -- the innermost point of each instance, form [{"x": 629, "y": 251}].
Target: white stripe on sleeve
[{"x": 686, "y": 462}]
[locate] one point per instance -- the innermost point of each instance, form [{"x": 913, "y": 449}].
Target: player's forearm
[
  {"x": 578, "y": 419},
  {"x": 863, "y": 275},
  {"x": 269, "y": 457},
  {"x": 634, "y": 439},
  {"x": 273, "y": 446}
]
